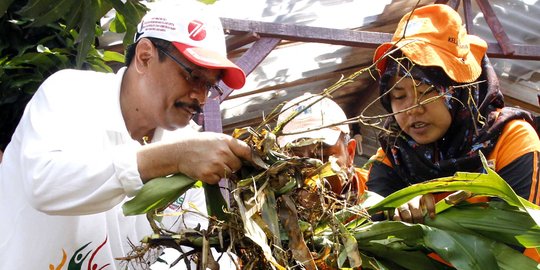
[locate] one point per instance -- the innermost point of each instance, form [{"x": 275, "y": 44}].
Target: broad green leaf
[
  {"x": 208, "y": 2},
  {"x": 488, "y": 184},
  {"x": 104, "y": 8},
  {"x": 350, "y": 248},
  {"x": 400, "y": 259},
  {"x": 57, "y": 12},
  {"x": 397, "y": 242},
  {"x": 73, "y": 17},
  {"x": 270, "y": 217},
  {"x": 34, "y": 8},
  {"x": 118, "y": 24},
  {"x": 511, "y": 259},
  {"x": 87, "y": 32},
  {"x": 131, "y": 12},
  {"x": 461, "y": 250},
  {"x": 4, "y": 5},
  {"x": 215, "y": 203},
  {"x": 109, "y": 56},
  {"x": 369, "y": 262},
  {"x": 499, "y": 222},
  {"x": 465, "y": 251},
  {"x": 158, "y": 193},
  {"x": 385, "y": 229}
]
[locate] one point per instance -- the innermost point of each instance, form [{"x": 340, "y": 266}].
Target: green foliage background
[{"x": 40, "y": 37}]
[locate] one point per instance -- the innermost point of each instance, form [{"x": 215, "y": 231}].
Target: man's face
[
  {"x": 343, "y": 151},
  {"x": 180, "y": 89},
  {"x": 323, "y": 151}
]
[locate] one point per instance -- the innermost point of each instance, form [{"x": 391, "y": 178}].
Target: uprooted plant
[
  {"x": 282, "y": 216},
  {"x": 277, "y": 213}
]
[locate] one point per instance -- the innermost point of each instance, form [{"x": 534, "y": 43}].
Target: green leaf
[
  {"x": 397, "y": 242},
  {"x": 4, "y": 5},
  {"x": 494, "y": 220},
  {"x": 466, "y": 251},
  {"x": 488, "y": 184},
  {"x": 55, "y": 13},
  {"x": 34, "y": 8},
  {"x": 270, "y": 217},
  {"x": 109, "y": 56},
  {"x": 208, "y": 2},
  {"x": 215, "y": 203},
  {"x": 74, "y": 16},
  {"x": 158, "y": 193},
  {"x": 463, "y": 251},
  {"x": 349, "y": 250},
  {"x": 87, "y": 32},
  {"x": 118, "y": 24},
  {"x": 130, "y": 11}
]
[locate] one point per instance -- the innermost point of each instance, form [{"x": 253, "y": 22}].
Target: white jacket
[{"x": 70, "y": 166}]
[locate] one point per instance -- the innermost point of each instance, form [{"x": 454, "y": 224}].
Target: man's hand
[
  {"x": 205, "y": 156},
  {"x": 415, "y": 210}
]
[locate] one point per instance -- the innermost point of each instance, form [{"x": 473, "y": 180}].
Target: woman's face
[{"x": 425, "y": 123}]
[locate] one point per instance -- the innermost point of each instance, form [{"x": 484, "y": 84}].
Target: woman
[{"x": 446, "y": 107}]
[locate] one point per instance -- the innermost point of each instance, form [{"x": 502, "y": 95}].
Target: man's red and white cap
[{"x": 196, "y": 33}]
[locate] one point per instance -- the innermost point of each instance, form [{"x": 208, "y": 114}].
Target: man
[
  {"x": 88, "y": 141},
  {"x": 322, "y": 123}
]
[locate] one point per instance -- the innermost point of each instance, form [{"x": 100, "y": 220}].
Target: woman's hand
[{"x": 415, "y": 210}]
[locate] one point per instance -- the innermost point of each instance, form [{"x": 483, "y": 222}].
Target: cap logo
[
  {"x": 196, "y": 30},
  {"x": 453, "y": 40},
  {"x": 302, "y": 107}
]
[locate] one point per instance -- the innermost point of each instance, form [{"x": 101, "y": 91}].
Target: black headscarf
[{"x": 476, "y": 124}]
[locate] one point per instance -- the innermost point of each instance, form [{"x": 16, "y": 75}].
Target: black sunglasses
[{"x": 194, "y": 76}]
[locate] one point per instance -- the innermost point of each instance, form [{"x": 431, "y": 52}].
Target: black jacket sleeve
[
  {"x": 383, "y": 180},
  {"x": 520, "y": 174}
]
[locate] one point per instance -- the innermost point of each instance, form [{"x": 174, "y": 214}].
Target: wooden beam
[
  {"x": 236, "y": 42},
  {"x": 452, "y": 3},
  {"x": 496, "y": 27},
  {"x": 467, "y": 13},
  {"x": 252, "y": 58},
  {"x": 521, "y": 51},
  {"x": 248, "y": 62},
  {"x": 521, "y": 104},
  {"x": 306, "y": 33},
  {"x": 345, "y": 37}
]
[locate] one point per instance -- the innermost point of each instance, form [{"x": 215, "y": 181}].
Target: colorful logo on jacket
[{"x": 79, "y": 258}]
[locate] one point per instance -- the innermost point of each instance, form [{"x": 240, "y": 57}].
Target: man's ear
[
  {"x": 144, "y": 52},
  {"x": 351, "y": 150}
]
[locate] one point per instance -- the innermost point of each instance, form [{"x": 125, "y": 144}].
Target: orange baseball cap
[
  {"x": 195, "y": 33},
  {"x": 435, "y": 36}
]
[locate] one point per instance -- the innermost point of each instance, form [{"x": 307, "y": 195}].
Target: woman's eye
[
  {"x": 428, "y": 91},
  {"x": 395, "y": 97}
]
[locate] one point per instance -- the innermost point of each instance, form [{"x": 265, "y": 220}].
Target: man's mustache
[{"x": 192, "y": 106}]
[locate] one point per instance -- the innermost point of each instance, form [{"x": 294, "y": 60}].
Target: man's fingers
[{"x": 240, "y": 149}]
